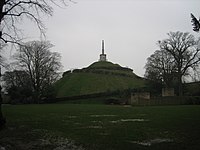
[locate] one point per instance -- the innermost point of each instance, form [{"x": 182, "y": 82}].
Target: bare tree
[
  {"x": 41, "y": 65},
  {"x": 185, "y": 51},
  {"x": 160, "y": 67},
  {"x": 15, "y": 11}
]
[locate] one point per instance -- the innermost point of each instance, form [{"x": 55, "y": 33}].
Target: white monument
[{"x": 102, "y": 56}]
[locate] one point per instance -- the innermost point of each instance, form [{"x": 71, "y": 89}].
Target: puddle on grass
[
  {"x": 69, "y": 117},
  {"x": 60, "y": 143},
  {"x": 51, "y": 143},
  {"x": 47, "y": 140},
  {"x": 95, "y": 127},
  {"x": 129, "y": 120},
  {"x": 134, "y": 120},
  {"x": 96, "y": 121},
  {"x": 115, "y": 121},
  {"x": 153, "y": 141},
  {"x": 102, "y": 115}
]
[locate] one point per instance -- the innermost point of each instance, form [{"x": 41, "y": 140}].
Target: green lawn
[{"x": 100, "y": 127}]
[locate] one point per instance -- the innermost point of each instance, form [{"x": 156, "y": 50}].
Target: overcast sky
[{"x": 130, "y": 28}]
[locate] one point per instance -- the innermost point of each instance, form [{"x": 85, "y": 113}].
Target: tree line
[
  {"x": 37, "y": 69},
  {"x": 178, "y": 56}
]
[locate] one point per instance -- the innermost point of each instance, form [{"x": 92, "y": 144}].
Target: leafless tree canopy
[
  {"x": 160, "y": 67},
  {"x": 41, "y": 65},
  {"x": 177, "y": 56},
  {"x": 13, "y": 12},
  {"x": 185, "y": 51},
  {"x": 184, "y": 48}
]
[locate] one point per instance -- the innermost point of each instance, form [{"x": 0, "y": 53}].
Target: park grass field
[{"x": 100, "y": 127}]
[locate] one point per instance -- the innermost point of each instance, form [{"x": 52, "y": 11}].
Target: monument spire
[
  {"x": 102, "y": 46},
  {"x": 102, "y": 55}
]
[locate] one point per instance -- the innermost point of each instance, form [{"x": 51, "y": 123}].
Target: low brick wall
[
  {"x": 168, "y": 92},
  {"x": 174, "y": 100},
  {"x": 137, "y": 97}
]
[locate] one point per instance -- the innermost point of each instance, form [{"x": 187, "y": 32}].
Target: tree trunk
[
  {"x": 2, "y": 119},
  {"x": 180, "y": 85}
]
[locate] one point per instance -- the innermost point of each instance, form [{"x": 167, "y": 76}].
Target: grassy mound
[
  {"x": 104, "y": 64},
  {"x": 98, "y": 77}
]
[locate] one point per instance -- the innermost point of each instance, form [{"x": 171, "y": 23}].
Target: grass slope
[
  {"x": 97, "y": 127},
  {"x": 98, "y": 77}
]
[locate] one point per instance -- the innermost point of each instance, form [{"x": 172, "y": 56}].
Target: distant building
[{"x": 102, "y": 55}]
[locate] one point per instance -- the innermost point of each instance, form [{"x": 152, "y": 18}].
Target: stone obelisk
[{"x": 102, "y": 56}]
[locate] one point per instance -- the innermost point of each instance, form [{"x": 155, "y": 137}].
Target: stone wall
[
  {"x": 167, "y": 100},
  {"x": 167, "y": 92},
  {"x": 136, "y": 97}
]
